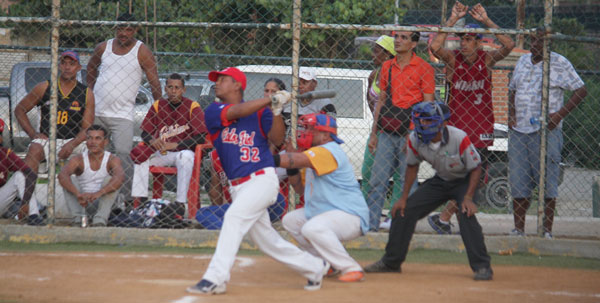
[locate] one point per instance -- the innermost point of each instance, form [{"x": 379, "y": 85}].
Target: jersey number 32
[{"x": 250, "y": 154}]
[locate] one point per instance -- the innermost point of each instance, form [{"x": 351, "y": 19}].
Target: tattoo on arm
[{"x": 290, "y": 160}]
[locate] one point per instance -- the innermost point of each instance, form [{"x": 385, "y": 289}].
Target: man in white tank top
[
  {"x": 114, "y": 74},
  {"x": 90, "y": 180}
]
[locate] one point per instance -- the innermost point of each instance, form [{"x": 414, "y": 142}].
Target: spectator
[
  {"x": 21, "y": 184},
  {"x": 75, "y": 113},
  {"x": 404, "y": 81},
  {"x": 470, "y": 98},
  {"x": 335, "y": 209},
  {"x": 382, "y": 50},
  {"x": 308, "y": 83},
  {"x": 114, "y": 73},
  {"x": 90, "y": 179},
  {"x": 457, "y": 165},
  {"x": 525, "y": 93},
  {"x": 170, "y": 132}
]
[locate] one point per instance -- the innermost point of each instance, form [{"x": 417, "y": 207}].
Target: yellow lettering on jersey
[
  {"x": 62, "y": 117},
  {"x": 322, "y": 160}
]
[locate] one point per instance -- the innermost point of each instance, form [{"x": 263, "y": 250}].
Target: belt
[{"x": 241, "y": 180}]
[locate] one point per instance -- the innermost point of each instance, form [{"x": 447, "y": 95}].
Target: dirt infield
[{"x": 155, "y": 277}]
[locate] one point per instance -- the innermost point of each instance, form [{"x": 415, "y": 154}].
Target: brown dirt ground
[{"x": 154, "y": 277}]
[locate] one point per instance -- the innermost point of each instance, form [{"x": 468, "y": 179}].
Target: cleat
[
  {"x": 548, "y": 235},
  {"x": 332, "y": 272},
  {"x": 379, "y": 266},
  {"x": 353, "y": 276},
  {"x": 206, "y": 287},
  {"x": 483, "y": 274},
  {"x": 35, "y": 220},
  {"x": 316, "y": 285},
  {"x": 438, "y": 226}
]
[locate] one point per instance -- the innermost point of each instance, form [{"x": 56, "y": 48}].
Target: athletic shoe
[
  {"x": 483, "y": 274},
  {"x": 207, "y": 288},
  {"x": 353, "y": 276},
  {"x": 438, "y": 226},
  {"x": 386, "y": 224},
  {"x": 332, "y": 272},
  {"x": 379, "y": 266},
  {"x": 517, "y": 233},
  {"x": 316, "y": 285},
  {"x": 548, "y": 235}
]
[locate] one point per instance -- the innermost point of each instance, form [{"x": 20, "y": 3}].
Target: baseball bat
[{"x": 320, "y": 94}]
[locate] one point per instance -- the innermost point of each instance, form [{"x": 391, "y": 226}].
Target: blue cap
[
  {"x": 71, "y": 54},
  {"x": 471, "y": 25}
]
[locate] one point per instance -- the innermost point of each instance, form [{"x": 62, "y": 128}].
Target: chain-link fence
[{"x": 146, "y": 66}]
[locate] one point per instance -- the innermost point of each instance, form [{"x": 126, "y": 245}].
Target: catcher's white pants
[
  {"x": 322, "y": 235},
  {"x": 183, "y": 160},
  {"x": 248, "y": 214}
]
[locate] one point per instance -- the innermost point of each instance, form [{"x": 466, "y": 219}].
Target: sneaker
[
  {"x": 517, "y": 233},
  {"x": 353, "y": 276},
  {"x": 438, "y": 226},
  {"x": 379, "y": 266},
  {"x": 548, "y": 235},
  {"x": 35, "y": 220},
  {"x": 207, "y": 288},
  {"x": 483, "y": 274},
  {"x": 332, "y": 272},
  {"x": 316, "y": 285},
  {"x": 386, "y": 224}
]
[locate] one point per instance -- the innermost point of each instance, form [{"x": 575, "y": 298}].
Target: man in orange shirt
[{"x": 404, "y": 81}]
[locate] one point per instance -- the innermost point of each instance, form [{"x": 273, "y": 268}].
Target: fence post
[
  {"x": 53, "y": 108},
  {"x": 296, "y": 26},
  {"x": 544, "y": 116}
]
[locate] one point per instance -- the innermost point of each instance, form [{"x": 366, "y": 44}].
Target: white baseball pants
[
  {"x": 322, "y": 235},
  {"x": 183, "y": 160},
  {"x": 13, "y": 187},
  {"x": 248, "y": 214}
]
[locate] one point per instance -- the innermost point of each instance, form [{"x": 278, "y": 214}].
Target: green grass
[{"x": 428, "y": 256}]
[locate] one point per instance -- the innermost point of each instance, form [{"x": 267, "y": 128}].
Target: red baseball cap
[
  {"x": 1, "y": 125},
  {"x": 233, "y": 72},
  {"x": 71, "y": 54}
]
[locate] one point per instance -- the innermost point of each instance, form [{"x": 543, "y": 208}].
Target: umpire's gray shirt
[{"x": 454, "y": 159}]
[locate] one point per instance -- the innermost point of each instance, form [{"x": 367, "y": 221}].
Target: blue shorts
[{"x": 524, "y": 162}]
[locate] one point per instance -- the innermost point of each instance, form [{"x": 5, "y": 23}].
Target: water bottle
[
  {"x": 84, "y": 221},
  {"x": 534, "y": 120}
]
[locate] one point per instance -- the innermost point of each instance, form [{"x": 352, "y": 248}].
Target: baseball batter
[
  {"x": 335, "y": 209},
  {"x": 240, "y": 131},
  {"x": 171, "y": 130}
]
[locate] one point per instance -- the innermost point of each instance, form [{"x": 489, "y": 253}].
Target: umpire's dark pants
[{"x": 430, "y": 195}]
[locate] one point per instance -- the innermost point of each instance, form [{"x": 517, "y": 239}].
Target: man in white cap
[{"x": 308, "y": 83}]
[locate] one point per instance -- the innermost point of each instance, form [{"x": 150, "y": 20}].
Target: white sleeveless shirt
[
  {"x": 90, "y": 181},
  {"x": 117, "y": 84}
]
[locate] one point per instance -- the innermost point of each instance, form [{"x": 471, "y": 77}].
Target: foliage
[{"x": 223, "y": 40}]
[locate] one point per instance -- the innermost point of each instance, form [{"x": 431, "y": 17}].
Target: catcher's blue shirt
[{"x": 242, "y": 144}]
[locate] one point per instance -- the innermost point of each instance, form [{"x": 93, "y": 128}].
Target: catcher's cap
[
  {"x": 387, "y": 43},
  {"x": 471, "y": 25},
  {"x": 71, "y": 54},
  {"x": 322, "y": 122},
  {"x": 233, "y": 72}
]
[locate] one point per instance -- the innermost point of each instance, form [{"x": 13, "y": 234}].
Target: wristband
[
  {"x": 277, "y": 160},
  {"x": 469, "y": 197},
  {"x": 292, "y": 171}
]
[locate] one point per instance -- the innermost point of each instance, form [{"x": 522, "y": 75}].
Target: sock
[{"x": 445, "y": 222}]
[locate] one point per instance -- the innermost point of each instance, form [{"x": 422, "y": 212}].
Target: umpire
[{"x": 457, "y": 164}]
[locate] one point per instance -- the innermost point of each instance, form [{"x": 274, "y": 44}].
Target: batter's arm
[
  {"x": 277, "y": 133},
  {"x": 247, "y": 108}
]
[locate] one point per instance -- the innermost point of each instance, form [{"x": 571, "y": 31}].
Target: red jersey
[
  {"x": 471, "y": 99},
  {"x": 174, "y": 123},
  {"x": 9, "y": 162}
]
